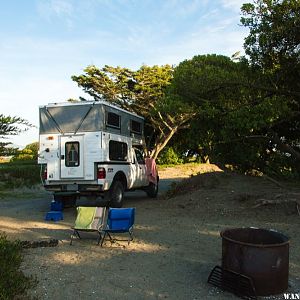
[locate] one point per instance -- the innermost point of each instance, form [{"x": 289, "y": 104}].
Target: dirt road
[{"x": 176, "y": 242}]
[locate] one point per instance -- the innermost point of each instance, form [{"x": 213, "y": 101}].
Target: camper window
[
  {"x": 139, "y": 157},
  {"x": 135, "y": 127},
  {"x": 118, "y": 151},
  {"x": 113, "y": 120},
  {"x": 72, "y": 154}
]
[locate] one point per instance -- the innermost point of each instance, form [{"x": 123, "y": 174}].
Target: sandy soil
[{"x": 176, "y": 242}]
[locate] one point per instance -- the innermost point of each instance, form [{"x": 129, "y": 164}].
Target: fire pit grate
[{"x": 238, "y": 284}]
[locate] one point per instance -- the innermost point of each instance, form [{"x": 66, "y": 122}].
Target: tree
[
  {"x": 235, "y": 111},
  {"x": 10, "y": 126},
  {"x": 215, "y": 85},
  {"x": 273, "y": 46},
  {"x": 144, "y": 92},
  {"x": 274, "y": 38},
  {"x": 30, "y": 152}
]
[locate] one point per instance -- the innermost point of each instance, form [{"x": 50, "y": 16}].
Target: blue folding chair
[{"x": 119, "y": 220}]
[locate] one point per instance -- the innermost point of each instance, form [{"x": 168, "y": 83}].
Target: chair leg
[
  {"x": 110, "y": 238},
  {"x": 74, "y": 234},
  {"x": 130, "y": 238},
  {"x": 99, "y": 238},
  {"x": 103, "y": 238}
]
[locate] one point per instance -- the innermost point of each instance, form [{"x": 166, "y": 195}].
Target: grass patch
[
  {"x": 182, "y": 165},
  {"x": 13, "y": 283}
]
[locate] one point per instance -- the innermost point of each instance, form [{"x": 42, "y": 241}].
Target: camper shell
[{"x": 92, "y": 148}]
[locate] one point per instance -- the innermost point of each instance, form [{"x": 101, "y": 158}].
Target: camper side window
[
  {"x": 113, "y": 120},
  {"x": 135, "y": 127},
  {"x": 118, "y": 151}
]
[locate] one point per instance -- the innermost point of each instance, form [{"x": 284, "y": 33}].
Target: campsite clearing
[{"x": 176, "y": 241}]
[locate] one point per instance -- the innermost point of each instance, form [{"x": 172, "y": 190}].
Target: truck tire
[
  {"x": 116, "y": 194},
  {"x": 152, "y": 190}
]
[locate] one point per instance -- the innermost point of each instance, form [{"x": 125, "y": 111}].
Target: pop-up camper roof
[{"x": 87, "y": 116}]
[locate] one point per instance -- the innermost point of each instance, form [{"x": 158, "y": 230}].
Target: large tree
[
  {"x": 273, "y": 46},
  {"x": 274, "y": 39},
  {"x": 144, "y": 92},
  {"x": 235, "y": 111},
  {"x": 10, "y": 126}
]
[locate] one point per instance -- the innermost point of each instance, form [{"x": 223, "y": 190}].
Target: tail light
[
  {"x": 101, "y": 173},
  {"x": 44, "y": 174}
]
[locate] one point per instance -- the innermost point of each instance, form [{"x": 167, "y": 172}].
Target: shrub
[
  {"x": 30, "y": 152},
  {"x": 14, "y": 175},
  {"x": 13, "y": 282},
  {"x": 169, "y": 157}
]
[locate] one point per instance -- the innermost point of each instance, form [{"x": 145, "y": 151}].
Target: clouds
[
  {"x": 234, "y": 5},
  {"x": 23, "y": 96},
  {"x": 182, "y": 8},
  {"x": 55, "y": 8},
  {"x": 43, "y": 45}
]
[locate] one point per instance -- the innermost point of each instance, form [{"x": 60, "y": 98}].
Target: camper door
[{"x": 71, "y": 156}]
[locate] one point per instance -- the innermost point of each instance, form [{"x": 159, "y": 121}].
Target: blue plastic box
[
  {"x": 54, "y": 216},
  {"x": 56, "y": 206}
]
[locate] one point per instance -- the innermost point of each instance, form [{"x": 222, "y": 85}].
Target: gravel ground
[{"x": 176, "y": 244}]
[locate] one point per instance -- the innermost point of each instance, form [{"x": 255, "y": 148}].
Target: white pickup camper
[{"x": 93, "y": 148}]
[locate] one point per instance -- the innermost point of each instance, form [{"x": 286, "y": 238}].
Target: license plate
[{"x": 72, "y": 187}]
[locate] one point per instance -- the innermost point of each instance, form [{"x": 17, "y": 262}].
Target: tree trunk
[{"x": 162, "y": 141}]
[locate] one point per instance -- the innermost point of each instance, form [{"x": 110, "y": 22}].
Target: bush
[
  {"x": 29, "y": 153},
  {"x": 12, "y": 281},
  {"x": 169, "y": 157},
  {"x": 14, "y": 175}
]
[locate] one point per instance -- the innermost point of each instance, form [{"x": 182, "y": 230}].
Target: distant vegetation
[
  {"x": 242, "y": 111},
  {"x": 10, "y": 126},
  {"x": 22, "y": 168},
  {"x": 29, "y": 153},
  {"x": 20, "y": 173}
]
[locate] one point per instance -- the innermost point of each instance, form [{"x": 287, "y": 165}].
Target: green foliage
[
  {"x": 10, "y": 126},
  {"x": 29, "y": 153},
  {"x": 273, "y": 47},
  {"x": 273, "y": 41},
  {"x": 138, "y": 91},
  {"x": 241, "y": 111},
  {"x": 144, "y": 92},
  {"x": 235, "y": 113},
  {"x": 13, "y": 282},
  {"x": 19, "y": 173},
  {"x": 218, "y": 87},
  {"x": 169, "y": 157}
]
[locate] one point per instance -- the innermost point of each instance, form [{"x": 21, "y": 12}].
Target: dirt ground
[{"x": 176, "y": 241}]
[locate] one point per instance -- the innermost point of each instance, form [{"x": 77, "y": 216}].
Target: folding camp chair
[
  {"x": 89, "y": 219},
  {"x": 119, "y": 220}
]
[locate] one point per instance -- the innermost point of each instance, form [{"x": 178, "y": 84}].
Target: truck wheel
[
  {"x": 152, "y": 190},
  {"x": 116, "y": 194}
]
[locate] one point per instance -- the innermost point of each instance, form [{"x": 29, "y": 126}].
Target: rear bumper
[{"x": 74, "y": 188}]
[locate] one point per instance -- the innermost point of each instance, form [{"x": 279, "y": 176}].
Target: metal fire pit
[{"x": 262, "y": 255}]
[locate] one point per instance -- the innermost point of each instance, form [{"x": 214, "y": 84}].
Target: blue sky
[{"x": 44, "y": 42}]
